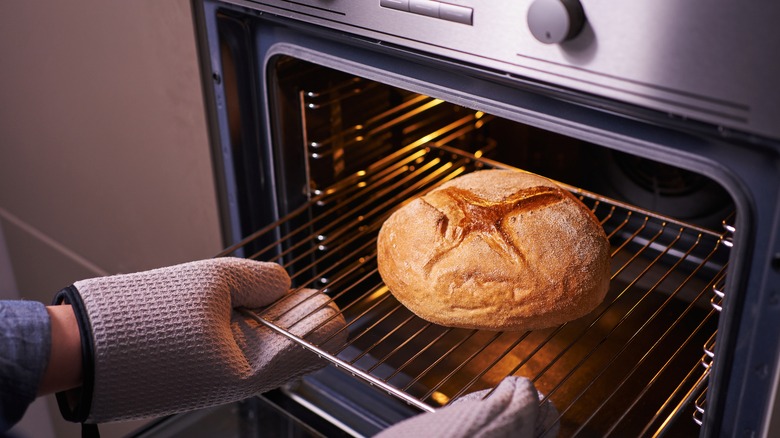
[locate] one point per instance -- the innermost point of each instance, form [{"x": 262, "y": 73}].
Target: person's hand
[
  {"x": 513, "y": 409},
  {"x": 170, "y": 340}
]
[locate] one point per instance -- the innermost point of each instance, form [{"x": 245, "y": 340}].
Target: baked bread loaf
[{"x": 495, "y": 250}]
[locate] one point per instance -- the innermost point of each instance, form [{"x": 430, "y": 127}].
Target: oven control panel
[
  {"x": 708, "y": 60},
  {"x": 431, "y": 8}
]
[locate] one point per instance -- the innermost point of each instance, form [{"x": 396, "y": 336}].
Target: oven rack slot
[{"x": 614, "y": 372}]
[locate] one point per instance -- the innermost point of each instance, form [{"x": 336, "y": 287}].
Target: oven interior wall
[{"x": 355, "y": 122}]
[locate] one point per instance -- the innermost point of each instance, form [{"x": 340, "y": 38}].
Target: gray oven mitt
[
  {"x": 170, "y": 340},
  {"x": 512, "y": 410}
]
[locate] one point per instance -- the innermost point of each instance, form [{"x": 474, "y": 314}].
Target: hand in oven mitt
[
  {"x": 512, "y": 410},
  {"x": 170, "y": 340}
]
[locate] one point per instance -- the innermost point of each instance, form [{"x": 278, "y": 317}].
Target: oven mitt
[
  {"x": 512, "y": 410},
  {"x": 170, "y": 340}
]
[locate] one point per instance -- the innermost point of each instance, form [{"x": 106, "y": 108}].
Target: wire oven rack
[{"x": 630, "y": 367}]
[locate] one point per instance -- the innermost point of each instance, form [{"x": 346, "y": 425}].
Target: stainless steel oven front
[{"x": 662, "y": 117}]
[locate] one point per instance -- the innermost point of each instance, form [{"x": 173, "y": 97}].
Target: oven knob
[{"x": 555, "y": 21}]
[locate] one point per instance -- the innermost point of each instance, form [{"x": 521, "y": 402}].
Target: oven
[{"x": 662, "y": 117}]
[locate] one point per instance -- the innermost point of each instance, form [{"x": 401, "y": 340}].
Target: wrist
[
  {"x": 64, "y": 370},
  {"x": 76, "y": 403}
]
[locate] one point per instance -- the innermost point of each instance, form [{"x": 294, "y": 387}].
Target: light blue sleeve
[{"x": 25, "y": 345}]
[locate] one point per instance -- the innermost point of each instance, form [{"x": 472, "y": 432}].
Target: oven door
[{"x": 320, "y": 134}]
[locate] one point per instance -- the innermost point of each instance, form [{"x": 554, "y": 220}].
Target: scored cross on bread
[{"x": 466, "y": 213}]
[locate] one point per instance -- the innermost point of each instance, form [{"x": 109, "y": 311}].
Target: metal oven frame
[{"x": 744, "y": 379}]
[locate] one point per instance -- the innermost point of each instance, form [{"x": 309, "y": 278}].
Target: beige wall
[{"x": 104, "y": 160}]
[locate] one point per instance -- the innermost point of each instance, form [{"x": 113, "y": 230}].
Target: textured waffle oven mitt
[
  {"x": 512, "y": 410},
  {"x": 170, "y": 340}
]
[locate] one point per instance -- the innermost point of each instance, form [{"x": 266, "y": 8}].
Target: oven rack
[
  {"x": 338, "y": 141},
  {"x": 617, "y": 371}
]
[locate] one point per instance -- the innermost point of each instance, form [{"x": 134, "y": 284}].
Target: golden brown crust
[{"x": 495, "y": 250}]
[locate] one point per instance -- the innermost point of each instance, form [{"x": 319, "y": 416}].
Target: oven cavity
[{"x": 350, "y": 151}]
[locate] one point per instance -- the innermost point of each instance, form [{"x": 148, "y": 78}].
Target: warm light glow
[
  {"x": 361, "y": 173},
  {"x": 440, "y": 398},
  {"x": 478, "y": 154},
  {"x": 377, "y": 294},
  {"x": 479, "y": 114}
]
